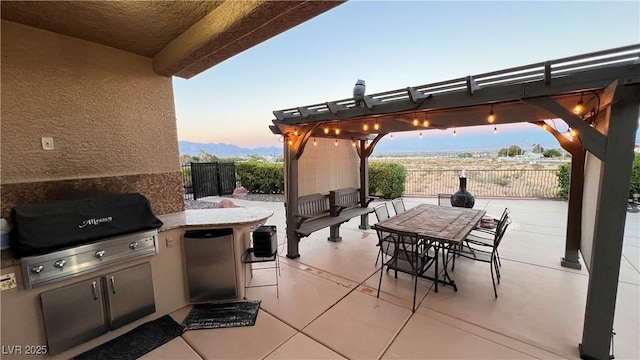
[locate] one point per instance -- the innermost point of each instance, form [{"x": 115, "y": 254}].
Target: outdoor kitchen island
[{"x": 22, "y": 315}]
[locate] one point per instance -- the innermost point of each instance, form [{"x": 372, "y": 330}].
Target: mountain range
[
  {"x": 226, "y": 150},
  {"x": 441, "y": 141}
]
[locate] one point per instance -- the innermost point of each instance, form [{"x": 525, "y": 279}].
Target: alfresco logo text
[{"x": 95, "y": 221}]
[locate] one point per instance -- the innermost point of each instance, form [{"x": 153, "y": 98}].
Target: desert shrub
[
  {"x": 261, "y": 177},
  {"x": 551, "y": 153},
  {"x": 465, "y": 155},
  {"x": 564, "y": 179},
  {"x": 387, "y": 179},
  {"x": 502, "y": 181},
  {"x": 186, "y": 175}
]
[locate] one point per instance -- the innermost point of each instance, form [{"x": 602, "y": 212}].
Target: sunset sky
[{"x": 390, "y": 45}]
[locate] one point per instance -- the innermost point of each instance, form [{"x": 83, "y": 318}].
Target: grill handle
[{"x": 95, "y": 290}]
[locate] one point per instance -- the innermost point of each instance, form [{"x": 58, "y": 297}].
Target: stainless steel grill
[{"x": 67, "y": 263}]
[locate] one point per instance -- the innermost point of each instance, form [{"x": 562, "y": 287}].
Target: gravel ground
[{"x": 201, "y": 204}]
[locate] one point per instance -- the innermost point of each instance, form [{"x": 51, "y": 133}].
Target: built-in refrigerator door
[
  {"x": 129, "y": 295},
  {"x": 211, "y": 269},
  {"x": 73, "y": 315}
]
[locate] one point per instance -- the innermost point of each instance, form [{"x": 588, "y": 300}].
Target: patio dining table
[{"x": 443, "y": 226}]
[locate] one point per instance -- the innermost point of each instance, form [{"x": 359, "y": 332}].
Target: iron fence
[
  {"x": 486, "y": 183},
  {"x": 208, "y": 179}
]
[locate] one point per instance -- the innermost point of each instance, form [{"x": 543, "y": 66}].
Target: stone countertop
[
  {"x": 198, "y": 218},
  {"x": 215, "y": 217}
]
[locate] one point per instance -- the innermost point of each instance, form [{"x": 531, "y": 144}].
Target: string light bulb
[
  {"x": 545, "y": 126},
  {"x": 391, "y": 136},
  {"x": 420, "y": 135},
  {"x": 290, "y": 142},
  {"x": 337, "y": 131},
  {"x": 492, "y": 116},
  {"x": 425, "y": 123},
  {"x": 353, "y": 142},
  {"x": 326, "y": 130},
  {"x": 315, "y": 143},
  {"x": 336, "y": 142},
  {"x": 579, "y": 108},
  {"x": 574, "y": 132},
  {"x": 365, "y": 126},
  {"x": 295, "y": 132},
  {"x": 416, "y": 122},
  {"x": 455, "y": 133},
  {"x": 495, "y": 130},
  {"x": 376, "y": 126}
]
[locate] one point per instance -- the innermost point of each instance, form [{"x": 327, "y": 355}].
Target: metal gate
[{"x": 208, "y": 179}]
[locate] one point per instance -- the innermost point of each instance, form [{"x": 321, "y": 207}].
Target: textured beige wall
[
  {"x": 108, "y": 113},
  {"x": 327, "y": 167}
]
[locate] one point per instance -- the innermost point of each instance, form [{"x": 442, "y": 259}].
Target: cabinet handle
[
  {"x": 113, "y": 284},
  {"x": 95, "y": 290}
]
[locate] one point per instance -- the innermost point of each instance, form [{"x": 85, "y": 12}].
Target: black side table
[{"x": 249, "y": 258}]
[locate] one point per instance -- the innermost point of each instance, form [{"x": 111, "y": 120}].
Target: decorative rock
[{"x": 240, "y": 192}]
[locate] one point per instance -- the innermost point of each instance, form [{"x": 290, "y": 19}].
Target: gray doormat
[
  {"x": 136, "y": 342},
  {"x": 222, "y": 315}
]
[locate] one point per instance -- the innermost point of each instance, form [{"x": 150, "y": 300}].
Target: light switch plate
[
  {"x": 7, "y": 281},
  {"x": 47, "y": 143}
]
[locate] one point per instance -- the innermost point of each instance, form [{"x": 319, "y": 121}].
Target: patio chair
[
  {"x": 444, "y": 199},
  {"x": 484, "y": 253},
  {"x": 382, "y": 213},
  {"x": 407, "y": 253},
  {"x": 485, "y": 236},
  {"x": 398, "y": 205}
]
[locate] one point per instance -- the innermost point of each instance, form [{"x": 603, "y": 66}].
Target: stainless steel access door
[
  {"x": 73, "y": 314},
  {"x": 129, "y": 295}
]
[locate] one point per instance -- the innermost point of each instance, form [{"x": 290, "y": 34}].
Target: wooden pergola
[{"x": 606, "y": 83}]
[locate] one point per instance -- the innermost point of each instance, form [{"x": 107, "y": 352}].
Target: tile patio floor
[{"x": 328, "y": 308}]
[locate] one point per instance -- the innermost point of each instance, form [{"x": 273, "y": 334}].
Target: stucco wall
[
  {"x": 108, "y": 113},
  {"x": 327, "y": 167},
  {"x": 110, "y": 116}
]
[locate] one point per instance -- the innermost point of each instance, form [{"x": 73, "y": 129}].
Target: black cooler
[{"x": 265, "y": 241}]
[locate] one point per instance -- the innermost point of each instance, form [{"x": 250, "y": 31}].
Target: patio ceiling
[
  {"x": 467, "y": 101},
  {"x": 183, "y": 38}
]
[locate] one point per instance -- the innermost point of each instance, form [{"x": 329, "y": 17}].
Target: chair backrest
[
  {"x": 400, "y": 245},
  {"x": 500, "y": 233},
  {"x": 503, "y": 219},
  {"x": 398, "y": 205},
  {"x": 444, "y": 199},
  {"x": 381, "y": 211}
]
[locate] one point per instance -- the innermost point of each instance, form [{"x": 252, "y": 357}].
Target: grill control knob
[
  {"x": 99, "y": 254},
  {"x": 133, "y": 245},
  {"x": 60, "y": 264},
  {"x": 37, "y": 269}
]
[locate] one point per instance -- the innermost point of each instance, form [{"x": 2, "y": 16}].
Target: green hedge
[
  {"x": 564, "y": 179},
  {"x": 386, "y": 179},
  {"x": 564, "y": 176},
  {"x": 635, "y": 174},
  {"x": 261, "y": 177}
]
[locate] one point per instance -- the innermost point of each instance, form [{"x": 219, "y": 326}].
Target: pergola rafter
[{"x": 608, "y": 84}]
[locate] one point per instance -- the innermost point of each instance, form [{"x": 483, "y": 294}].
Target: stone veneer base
[{"x": 164, "y": 191}]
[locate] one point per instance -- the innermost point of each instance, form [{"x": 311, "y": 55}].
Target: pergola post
[
  {"x": 610, "y": 220},
  {"x": 291, "y": 197},
  {"x": 571, "y": 257},
  {"x": 364, "y": 183}
]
